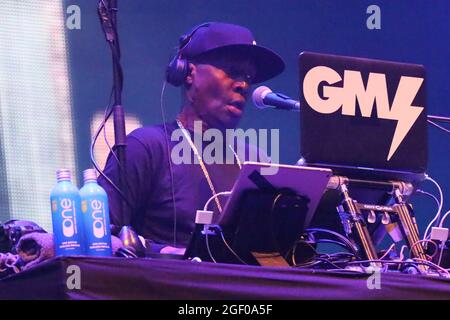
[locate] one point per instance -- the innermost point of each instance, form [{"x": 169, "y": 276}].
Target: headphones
[{"x": 178, "y": 68}]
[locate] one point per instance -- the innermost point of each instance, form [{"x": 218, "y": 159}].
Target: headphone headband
[{"x": 178, "y": 68}]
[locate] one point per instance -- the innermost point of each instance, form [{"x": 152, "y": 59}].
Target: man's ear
[{"x": 191, "y": 74}]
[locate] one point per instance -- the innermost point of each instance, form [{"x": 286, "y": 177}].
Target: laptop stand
[{"x": 355, "y": 216}]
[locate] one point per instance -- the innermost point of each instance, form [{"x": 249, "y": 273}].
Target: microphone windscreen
[{"x": 258, "y": 96}]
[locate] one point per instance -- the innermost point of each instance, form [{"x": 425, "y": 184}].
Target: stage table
[{"x": 120, "y": 278}]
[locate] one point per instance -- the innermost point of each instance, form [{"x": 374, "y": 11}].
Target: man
[{"x": 216, "y": 63}]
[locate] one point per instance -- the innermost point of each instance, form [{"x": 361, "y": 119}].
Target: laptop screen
[{"x": 363, "y": 115}]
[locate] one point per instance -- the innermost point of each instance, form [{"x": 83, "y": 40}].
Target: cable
[
  {"x": 443, "y": 218},
  {"x": 343, "y": 245},
  {"x": 440, "y": 255},
  {"x": 207, "y": 247},
  {"x": 106, "y": 116},
  {"x": 220, "y": 231},
  {"x": 401, "y": 255},
  {"x": 330, "y": 262},
  {"x": 438, "y": 126},
  {"x": 105, "y": 138},
  {"x": 294, "y": 249},
  {"x": 441, "y": 202},
  {"x": 328, "y": 257},
  {"x": 347, "y": 271},
  {"x": 236, "y": 157},
  {"x": 338, "y": 235},
  {"x": 166, "y": 134},
  {"x": 108, "y": 113},
  {"x": 337, "y": 260},
  {"x": 387, "y": 252},
  {"x": 96, "y": 166},
  {"x": 223, "y": 193},
  {"x": 415, "y": 260},
  {"x": 229, "y": 247},
  {"x": 426, "y": 241},
  {"x": 438, "y": 118},
  {"x": 116, "y": 61},
  {"x": 332, "y": 259},
  {"x": 431, "y": 264},
  {"x": 434, "y": 198}
]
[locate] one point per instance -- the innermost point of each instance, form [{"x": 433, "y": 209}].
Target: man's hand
[{"x": 173, "y": 250}]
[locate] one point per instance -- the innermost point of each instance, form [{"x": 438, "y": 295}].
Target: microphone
[{"x": 263, "y": 98}]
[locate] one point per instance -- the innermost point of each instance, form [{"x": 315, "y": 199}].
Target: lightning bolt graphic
[{"x": 402, "y": 110}]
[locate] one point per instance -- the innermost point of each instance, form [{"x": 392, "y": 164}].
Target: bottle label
[
  {"x": 69, "y": 216},
  {"x": 98, "y": 218},
  {"x": 95, "y": 212},
  {"x": 66, "y": 225},
  {"x": 96, "y": 209}
]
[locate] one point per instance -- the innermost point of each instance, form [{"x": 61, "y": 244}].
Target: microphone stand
[{"x": 108, "y": 19}]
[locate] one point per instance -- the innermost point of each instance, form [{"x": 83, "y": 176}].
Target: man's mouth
[
  {"x": 238, "y": 104},
  {"x": 236, "y": 107}
]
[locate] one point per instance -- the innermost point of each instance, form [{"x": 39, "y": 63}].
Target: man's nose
[{"x": 242, "y": 86}]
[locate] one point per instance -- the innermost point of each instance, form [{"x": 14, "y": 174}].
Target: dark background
[{"x": 411, "y": 31}]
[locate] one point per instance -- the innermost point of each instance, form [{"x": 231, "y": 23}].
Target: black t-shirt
[{"x": 150, "y": 186}]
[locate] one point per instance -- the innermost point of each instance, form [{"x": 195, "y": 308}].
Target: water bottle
[
  {"x": 66, "y": 216},
  {"x": 94, "y": 205}
]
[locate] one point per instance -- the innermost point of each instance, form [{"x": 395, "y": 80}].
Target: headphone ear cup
[
  {"x": 178, "y": 68},
  {"x": 177, "y": 71}
]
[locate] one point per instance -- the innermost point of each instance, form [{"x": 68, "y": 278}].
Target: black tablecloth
[{"x": 119, "y": 278}]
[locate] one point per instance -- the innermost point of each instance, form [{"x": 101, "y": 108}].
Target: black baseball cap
[{"x": 221, "y": 37}]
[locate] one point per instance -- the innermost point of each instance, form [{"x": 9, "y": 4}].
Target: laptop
[{"x": 363, "y": 118}]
